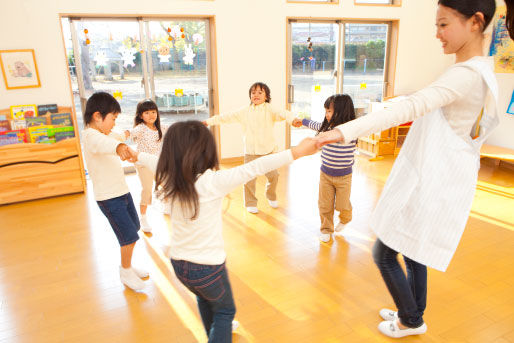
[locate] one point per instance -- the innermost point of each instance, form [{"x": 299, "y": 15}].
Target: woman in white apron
[{"x": 427, "y": 198}]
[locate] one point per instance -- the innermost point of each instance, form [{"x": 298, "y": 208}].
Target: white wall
[{"x": 251, "y": 38}]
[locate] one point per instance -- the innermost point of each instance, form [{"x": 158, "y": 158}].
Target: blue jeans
[
  {"x": 409, "y": 293},
  {"x": 122, "y": 216},
  {"x": 212, "y": 288}
]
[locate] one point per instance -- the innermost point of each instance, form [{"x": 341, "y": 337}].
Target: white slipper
[
  {"x": 390, "y": 328},
  {"x": 388, "y": 314}
]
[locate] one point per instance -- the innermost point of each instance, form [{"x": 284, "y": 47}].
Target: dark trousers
[
  {"x": 409, "y": 292},
  {"x": 212, "y": 288}
]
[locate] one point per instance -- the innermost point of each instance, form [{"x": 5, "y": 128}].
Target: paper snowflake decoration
[{"x": 128, "y": 56}]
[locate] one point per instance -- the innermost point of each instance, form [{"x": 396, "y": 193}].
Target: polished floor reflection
[{"x": 59, "y": 270}]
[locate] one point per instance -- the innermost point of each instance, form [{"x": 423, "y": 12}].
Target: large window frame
[{"x": 389, "y": 64}]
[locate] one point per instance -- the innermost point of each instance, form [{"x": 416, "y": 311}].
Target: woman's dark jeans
[{"x": 409, "y": 293}]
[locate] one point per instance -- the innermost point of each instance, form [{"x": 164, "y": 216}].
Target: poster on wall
[
  {"x": 502, "y": 47},
  {"x": 19, "y": 69},
  {"x": 510, "y": 109}
]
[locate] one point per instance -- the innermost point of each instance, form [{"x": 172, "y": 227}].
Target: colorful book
[
  {"x": 5, "y": 125},
  {"x": 35, "y": 121},
  {"x": 23, "y": 111},
  {"x": 21, "y": 134},
  {"x": 61, "y": 119},
  {"x": 39, "y": 134},
  {"x": 18, "y": 124},
  {"x": 61, "y": 133},
  {"x": 3, "y": 117},
  {"x": 43, "y": 109},
  {"x": 8, "y": 138}
]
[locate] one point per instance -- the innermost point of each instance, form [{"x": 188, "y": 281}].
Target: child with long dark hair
[
  {"x": 337, "y": 159},
  {"x": 147, "y": 134},
  {"x": 427, "y": 198},
  {"x": 187, "y": 176}
]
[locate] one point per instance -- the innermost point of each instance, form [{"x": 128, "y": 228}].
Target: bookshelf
[{"x": 30, "y": 171}]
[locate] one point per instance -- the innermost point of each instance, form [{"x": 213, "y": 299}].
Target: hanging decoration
[
  {"x": 309, "y": 47},
  {"x": 188, "y": 55},
  {"x": 197, "y": 39},
  {"x": 128, "y": 56},
  {"x": 100, "y": 59},
  {"x": 164, "y": 54},
  {"x": 87, "y": 38},
  {"x": 118, "y": 95}
]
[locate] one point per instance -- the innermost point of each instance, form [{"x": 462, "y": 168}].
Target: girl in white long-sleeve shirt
[
  {"x": 187, "y": 175},
  {"x": 426, "y": 201}
]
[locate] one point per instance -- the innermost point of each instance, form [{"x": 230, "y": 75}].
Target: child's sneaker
[
  {"x": 130, "y": 279},
  {"x": 145, "y": 227},
  {"x": 235, "y": 325},
  {"x": 273, "y": 203},
  {"x": 388, "y": 314},
  {"x": 339, "y": 227},
  {"x": 252, "y": 209},
  {"x": 140, "y": 272},
  {"x": 325, "y": 237},
  {"x": 390, "y": 328}
]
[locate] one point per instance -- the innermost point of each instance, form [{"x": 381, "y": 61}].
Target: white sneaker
[
  {"x": 235, "y": 325},
  {"x": 130, "y": 279},
  {"x": 252, "y": 209},
  {"x": 140, "y": 272},
  {"x": 325, "y": 237},
  {"x": 339, "y": 227},
  {"x": 273, "y": 203},
  {"x": 390, "y": 328},
  {"x": 388, "y": 314},
  {"x": 145, "y": 227}
]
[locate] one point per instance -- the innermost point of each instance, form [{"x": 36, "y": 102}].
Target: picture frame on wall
[{"x": 19, "y": 69}]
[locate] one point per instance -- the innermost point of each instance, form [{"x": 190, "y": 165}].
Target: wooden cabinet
[
  {"x": 32, "y": 171},
  {"x": 378, "y": 144}
]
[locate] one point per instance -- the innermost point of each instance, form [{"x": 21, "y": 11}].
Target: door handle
[{"x": 290, "y": 94}]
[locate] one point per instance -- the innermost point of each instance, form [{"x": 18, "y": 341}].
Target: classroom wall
[{"x": 251, "y": 38}]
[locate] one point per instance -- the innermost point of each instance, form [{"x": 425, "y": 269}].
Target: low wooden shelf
[{"x": 31, "y": 171}]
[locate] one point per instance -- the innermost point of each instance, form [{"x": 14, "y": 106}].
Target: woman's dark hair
[
  {"x": 262, "y": 86},
  {"x": 509, "y": 20},
  {"x": 343, "y": 111},
  {"x": 188, "y": 150},
  {"x": 101, "y": 102},
  {"x": 148, "y": 105},
  {"x": 468, "y": 8}
]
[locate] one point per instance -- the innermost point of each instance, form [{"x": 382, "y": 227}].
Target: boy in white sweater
[{"x": 110, "y": 189}]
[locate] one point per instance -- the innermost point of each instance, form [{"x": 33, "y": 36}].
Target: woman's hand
[
  {"x": 306, "y": 147},
  {"x": 328, "y": 137}
]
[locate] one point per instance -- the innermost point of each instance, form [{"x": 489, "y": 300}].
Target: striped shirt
[{"x": 336, "y": 159}]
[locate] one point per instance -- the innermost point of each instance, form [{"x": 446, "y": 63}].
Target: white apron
[{"x": 426, "y": 200}]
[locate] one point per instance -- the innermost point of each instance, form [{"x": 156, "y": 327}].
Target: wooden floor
[{"x": 59, "y": 277}]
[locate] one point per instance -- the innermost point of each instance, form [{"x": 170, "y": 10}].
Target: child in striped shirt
[{"x": 336, "y": 166}]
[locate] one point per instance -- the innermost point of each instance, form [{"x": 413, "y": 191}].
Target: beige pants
[
  {"x": 146, "y": 177},
  {"x": 271, "y": 186},
  {"x": 334, "y": 192}
]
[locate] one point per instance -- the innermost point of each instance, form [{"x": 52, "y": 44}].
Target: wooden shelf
[{"x": 31, "y": 171}]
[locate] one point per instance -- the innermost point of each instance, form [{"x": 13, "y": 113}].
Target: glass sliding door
[
  {"x": 106, "y": 56},
  {"x": 178, "y": 67},
  {"x": 314, "y": 51},
  {"x": 317, "y": 71},
  {"x": 364, "y": 63},
  {"x": 138, "y": 58}
]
